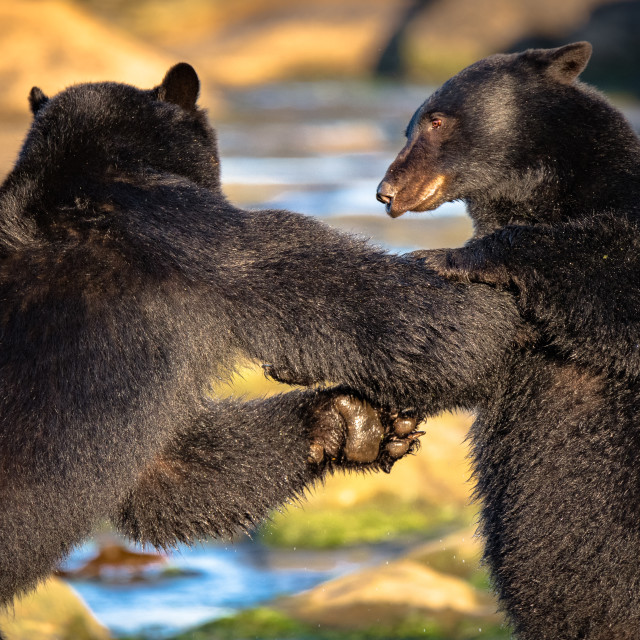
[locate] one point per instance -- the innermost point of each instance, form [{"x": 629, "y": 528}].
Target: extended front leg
[
  {"x": 333, "y": 309},
  {"x": 225, "y": 470},
  {"x": 325, "y": 307}
]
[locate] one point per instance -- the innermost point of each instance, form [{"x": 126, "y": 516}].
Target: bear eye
[{"x": 436, "y": 123}]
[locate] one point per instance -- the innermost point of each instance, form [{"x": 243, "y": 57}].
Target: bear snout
[{"x": 385, "y": 194}]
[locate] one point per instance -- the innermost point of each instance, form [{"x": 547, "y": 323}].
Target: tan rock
[
  {"x": 388, "y": 594},
  {"x": 300, "y": 45},
  {"x": 255, "y": 41},
  {"x": 52, "y": 612},
  {"x": 53, "y": 44}
]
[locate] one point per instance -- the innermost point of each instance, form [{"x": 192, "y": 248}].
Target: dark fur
[
  {"x": 128, "y": 283},
  {"x": 551, "y": 175}
]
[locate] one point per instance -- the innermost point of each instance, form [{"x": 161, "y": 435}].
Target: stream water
[
  {"x": 317, "y": 148},
  {"x": 213, "y": 580}
]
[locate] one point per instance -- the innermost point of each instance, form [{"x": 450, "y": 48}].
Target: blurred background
[{"x": 310, "y": 100}]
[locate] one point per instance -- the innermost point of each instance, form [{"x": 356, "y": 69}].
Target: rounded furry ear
[
  {"x": 565, "y": 64},
  {"x": 180, "y": 86},
  {"x": 37, "y": 99}
]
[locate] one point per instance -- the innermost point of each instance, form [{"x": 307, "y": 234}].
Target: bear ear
[
  {"x": 180, "y": 86},
  {"x": 565, "y": 64},
  {"x": 37, "y": 99}
]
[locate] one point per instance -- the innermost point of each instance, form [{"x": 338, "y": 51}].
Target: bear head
[
  {"x": 515, "y": 136},
  {"x": 99, "y": 132}
]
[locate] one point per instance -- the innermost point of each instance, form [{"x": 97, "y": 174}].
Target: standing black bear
[
  {"x": 550, "y": 172},
  {"x": 128, "y": 283}
]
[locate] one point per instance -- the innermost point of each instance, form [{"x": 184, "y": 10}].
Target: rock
[
  {"x": 387, "y": 595},
  {"x": 53, "y": 44},
  {"x": 116, "y": 561},
  {"x": 457, "y": 554},
  {"x": 259, "y": 41},
  {"x": 52, "y": 612}
]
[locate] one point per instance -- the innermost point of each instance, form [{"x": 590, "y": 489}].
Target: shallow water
[
  {"x": 317, "y": 148},
  {"x": 331, "y": 185},
  {"x": 219, "y": 580}
]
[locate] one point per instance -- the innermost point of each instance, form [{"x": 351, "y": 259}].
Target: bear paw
[
  {"x": 460, "y": 265},
  {"x": 443, "y": 262},
  {"x": 349, "y": 432}
]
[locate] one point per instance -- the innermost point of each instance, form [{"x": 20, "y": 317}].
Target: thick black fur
[
  {"x": 550, "y": 172},
  {"x": 128, "y": 282}
]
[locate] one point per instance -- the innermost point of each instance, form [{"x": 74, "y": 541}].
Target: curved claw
[{"x": 387, "y": 465}]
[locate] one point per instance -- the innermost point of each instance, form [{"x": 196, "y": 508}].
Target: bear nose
[{"x": 385, "y": 194}]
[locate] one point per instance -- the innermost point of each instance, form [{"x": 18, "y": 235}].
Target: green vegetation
[
  {"x": 461, "y": 562},
  {"x": 382, "y": 518},
  {"x": 268, "y": 624}
]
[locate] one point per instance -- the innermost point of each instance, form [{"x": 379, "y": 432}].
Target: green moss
[
  {"x": 447, "y": 561},
  {"x": 451, "y": 562},
  {"x": 267, "y": 624},
  {"x": 480, "y": 580},
  {"x": 79, "y": 628},
  {"x": 260, "y": 623},
  {"x": 375, "y": 521}
]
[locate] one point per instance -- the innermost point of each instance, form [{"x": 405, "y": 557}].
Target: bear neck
[
  {"x": 33, "y": 197},
  {"x": 605, "y": 178}
]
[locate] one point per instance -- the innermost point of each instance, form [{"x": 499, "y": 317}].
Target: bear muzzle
[
  {"x": 416, "y": 197},
  {"x": 385, "y": 194}
]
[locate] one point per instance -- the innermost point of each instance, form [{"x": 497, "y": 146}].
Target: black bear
[
  {"x": 128, "y": 283},
  {"x": 550, "y": 172}
]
